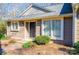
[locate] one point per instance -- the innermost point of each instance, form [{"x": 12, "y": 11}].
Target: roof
[
  {"x": 35, "y": 7},
  {"x": 67, "y": 8},
  {"x": 35, "y": 11}
]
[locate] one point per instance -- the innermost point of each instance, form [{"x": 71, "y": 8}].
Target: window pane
[
  {"x": 14, "y": 26},
  {"x": 47, "y": 28},
  {"x": 56, "y": 28},
  {"x": 52, "y": 28}
]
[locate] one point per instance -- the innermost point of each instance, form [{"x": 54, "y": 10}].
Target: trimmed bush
[
  {"x": 42, "y": 39},
  {"x": 27, "y": 44}
]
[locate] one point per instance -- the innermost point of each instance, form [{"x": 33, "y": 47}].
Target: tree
[
  {"x": 2, "y": 32},
  {"x": 2, "y": 27}
]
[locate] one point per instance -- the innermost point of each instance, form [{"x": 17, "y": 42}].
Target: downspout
[{"x": 74, "y": 25}]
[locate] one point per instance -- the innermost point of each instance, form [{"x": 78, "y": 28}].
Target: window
[
  {"x": 14, "y": 26},
  {"x": 56, "y": 28},
  {"x": 47, "y": 28},
  {"x": 53, "y": 28}
]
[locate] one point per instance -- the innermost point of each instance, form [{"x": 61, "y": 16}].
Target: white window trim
[
  {"x": 42, "y": 27},
  {"x": 29, "y": 28},
  {"x": 62, "y": 29},
  {"x": 12, "y": 26}
]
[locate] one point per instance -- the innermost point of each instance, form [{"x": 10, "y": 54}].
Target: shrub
[
  {"x": 2, "y": 36},
  {"x": 42, "y": 39},
  {"x": 27, "y": 44},
  {"x": 76, "y": 45},
  {"x": 75, "y": 51},
  {"x": 2, "y": 29}
]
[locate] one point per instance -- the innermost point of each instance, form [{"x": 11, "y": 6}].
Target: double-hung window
[{"x": 14, "y": 26}]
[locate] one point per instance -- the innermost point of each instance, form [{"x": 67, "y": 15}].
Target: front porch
[
  {"x": 32, "y": 29},
  {"x": 49, "y": 27},
  {"x": 58, "y": 28}
]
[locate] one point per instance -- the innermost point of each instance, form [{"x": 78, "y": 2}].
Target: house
[{"x": 55, "y": 21}]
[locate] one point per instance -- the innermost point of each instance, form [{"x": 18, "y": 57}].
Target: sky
[{"x": 7, "y": 9}]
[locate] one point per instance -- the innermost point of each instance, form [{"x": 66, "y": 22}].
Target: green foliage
[
  {"x": 76, "y": 45},
  {"x": 75, "y": 51},
  {"x": 42, "y": 39},
  {"x": 2, "y": 29},
  {"x": 27, "y": 44},
  {"x": 2, "y": 36}
]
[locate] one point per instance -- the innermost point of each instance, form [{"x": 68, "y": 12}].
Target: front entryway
[{"x": 32, "y": 29}]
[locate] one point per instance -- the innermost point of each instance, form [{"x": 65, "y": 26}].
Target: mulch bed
[{"x": 49, "y": 49}]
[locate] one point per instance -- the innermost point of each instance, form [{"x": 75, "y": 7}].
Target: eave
[{"x": 39, "y": 18}]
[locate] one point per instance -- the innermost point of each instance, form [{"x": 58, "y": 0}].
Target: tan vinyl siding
[{"x": 77, "y": 30}]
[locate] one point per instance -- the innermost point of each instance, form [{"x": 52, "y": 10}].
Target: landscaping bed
[
  {"x": 49, "y": 49},
  {"x": 42, "y": 45}
]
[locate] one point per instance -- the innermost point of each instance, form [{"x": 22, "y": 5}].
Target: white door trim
[{"x": 26, "y": 37}]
